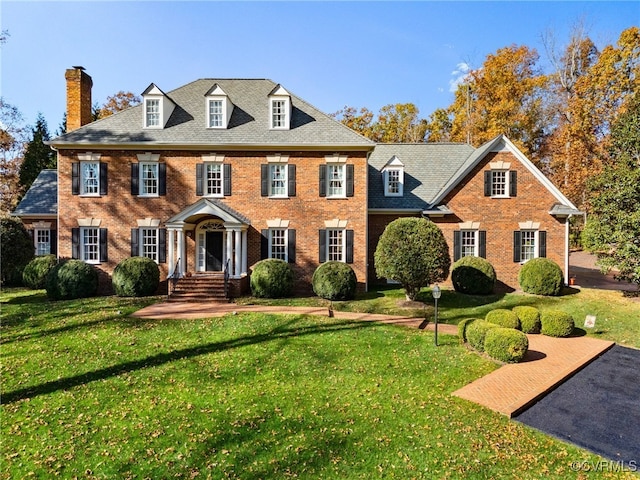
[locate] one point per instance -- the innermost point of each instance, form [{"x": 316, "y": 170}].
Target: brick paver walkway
[{"x": 507, "y": 390}]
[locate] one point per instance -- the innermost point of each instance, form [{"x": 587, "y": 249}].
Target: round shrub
[
  {"x": 334, "y": 281},
  {"x": 271, "y": 278},
  {"x": 503, "y": 318},
  {"x": 17, "y": 250},
  {"x": 72, "y": 279},
  {"x": 473, "y": 276},
  {"x": 462, "y": 328},
  {"x": 541, "y": 276},
  {"x": 136, "y": 277},
  {"x": 35, "y": 273},
  {"x": 529, "y": 318},
  {"x": 506, "y": 344},
  {"x": 556, "y": 323},
  {"x": 476, "y": 333}
]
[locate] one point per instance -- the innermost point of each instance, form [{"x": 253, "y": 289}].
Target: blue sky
[{"x": 332, "y": 54}]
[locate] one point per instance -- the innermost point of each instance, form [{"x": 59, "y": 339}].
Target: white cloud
[{"x": 459, "y": 76}]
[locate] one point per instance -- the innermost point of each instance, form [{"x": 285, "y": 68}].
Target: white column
[
  {"x": 237, "y": 261},
  {"x": 244, "y": 252},
  {"x": 172, "y": 261},
  {"x": 229, "y": 251},
  {"x": 181, "y": 252}
]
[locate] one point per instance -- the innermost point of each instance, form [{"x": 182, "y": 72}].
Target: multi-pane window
[
  {"x": 278, "y": 180},
  {"x": 468, "y": 243},
  {"x": 90, "y": 244},
  {"x": 527, "y": 245},
  {"x": 335, "y": 245},
  {"x": 153, "y": 112},
  {"x": 215, "y": 113},
  {"x": 213, "y": 183},
  {"x": 149, "y": 179},
  {"x": 335, "y": 179},
  {"x": 394, "y": 183},
  {"x": 90, "y": 180},
  {"x": 498, "y": 183},
  {"x": 43, "y": 242},
  {"x": 278, "y": 113},
  {"x": 149, "y": 244},
  {"x": 278, "y": 243}
]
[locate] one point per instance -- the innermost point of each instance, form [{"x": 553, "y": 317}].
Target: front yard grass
[{"x": 89, "y": 392}]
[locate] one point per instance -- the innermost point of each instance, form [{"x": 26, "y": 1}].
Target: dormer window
[
  {"x": 393, "y": 178},
  {"x": 219, "y": 108},
  {"x": 157, "y": 107},
  {"x": 279, "y": 109}
]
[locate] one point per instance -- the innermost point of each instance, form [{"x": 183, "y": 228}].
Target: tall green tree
[{"x": 37, "y": 155}]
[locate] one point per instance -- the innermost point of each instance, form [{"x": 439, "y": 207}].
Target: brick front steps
[{"x": 199, "y": 288}]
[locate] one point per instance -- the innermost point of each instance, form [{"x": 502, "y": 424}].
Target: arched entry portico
[{"x": 220, "y": 235}]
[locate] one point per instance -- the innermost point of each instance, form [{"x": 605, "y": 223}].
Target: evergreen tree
[{"x": 37, "y": 155}]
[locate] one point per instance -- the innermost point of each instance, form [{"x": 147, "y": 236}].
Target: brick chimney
[{"x": 78, "y": 98}]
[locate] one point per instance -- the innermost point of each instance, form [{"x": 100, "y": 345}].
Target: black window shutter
[
  {"x": 482, "y": 243},
  {"x": 291, "y": 178},
  {"x": 322, "y": 180},
  {"x": 104, "y": 181},
  {"x": 199, "y": 178},
  {"x": 487, "y": 183},
  {"x": 32, "y": 234},
  {"x": 227, "y": 179},
  {"x": 542, "y": 240},
  {"x": 513, "y": 183},
  {"x": 75, "y": 178},
  {"x": 162, "y": 245},
  {"x": 457, "y": 249},
  {"x": 291, "y": 245},
  {"x": 135, "y": 171},
  {"x": 322, "y": 246},
  {"x": 135, "y": 246},
  {"x": 53, "y": 242},
  {"x": 350, "y": 174},
  {"x": 162, "y": 179},
  {"x": 517, "y": 242},
  {"x": 264, "y": 180},
  {"x": 75, "y": 243},
  {"x": 104, "y": 257},
  {"x": 264, "y": 244},
  {"x": 349, "y": 252}
]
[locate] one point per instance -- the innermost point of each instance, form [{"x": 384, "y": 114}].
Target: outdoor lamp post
[{"x": 435, "y": 291}]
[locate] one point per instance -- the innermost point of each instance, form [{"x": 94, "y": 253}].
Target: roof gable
[{"x": 42, "y": 197}]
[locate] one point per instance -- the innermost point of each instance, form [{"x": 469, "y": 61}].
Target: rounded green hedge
[
  {"x": 334, "y": 281},
  {"x": 529, "y": 318},
  {"x": 462, "y": 328},
  {"x": 473, "y": 276},
  {"x": 506, "y": 344},
  {"x": 556, "y": 323},
  {"x": 72, "y": 279},
  {"x": 136, "y": 277},
  {"x": 35, "y": 273},
  {"x": 271, "y": 278},
  {"x": 476, "y": 333},
  {"x": 541, "y": 276},
  {"x": 503, "y": 318}
]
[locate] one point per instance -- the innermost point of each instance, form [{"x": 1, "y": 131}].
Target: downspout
[
  {"x": 366, "y": 224},
  {"x": 57, "y": 203},
  {"x": 566, "y": 250}
]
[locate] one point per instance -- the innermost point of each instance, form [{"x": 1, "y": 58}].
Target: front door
[{"x": 213, "y": 257}]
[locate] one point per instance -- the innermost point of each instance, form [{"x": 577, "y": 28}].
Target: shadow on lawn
[{"x": 281, "y": 332}]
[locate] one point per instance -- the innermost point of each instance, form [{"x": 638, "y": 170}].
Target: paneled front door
[{"x": 213, "y": 258}]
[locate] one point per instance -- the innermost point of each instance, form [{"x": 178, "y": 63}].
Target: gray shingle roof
[
  {"x": 248, "y": 126},
  {"x": 42, "y": 196}
]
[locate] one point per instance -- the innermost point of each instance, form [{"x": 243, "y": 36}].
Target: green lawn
[{"x": 89, "y": 392}]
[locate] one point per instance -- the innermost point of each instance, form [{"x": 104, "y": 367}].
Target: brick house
[{"x": 220, "y": 173}]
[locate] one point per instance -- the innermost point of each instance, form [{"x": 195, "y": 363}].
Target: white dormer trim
[
  {"x": 279, "y": 109},
  {"x": 394, "y": 165},
  {"x": 217, "y": 94},
  {"x": 154, "y": 98}
]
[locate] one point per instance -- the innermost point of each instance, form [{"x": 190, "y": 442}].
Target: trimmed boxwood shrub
[
  {"x": 529, "y": 318},
  {"x": 541, "y": 276},
  {"x": 476, "y": 333},
  {"x": 35, "y": 273},
  {"x": 503, "y": 318},
  {"x": 556, "y": 323},
  {"x": 136, "y": 277},
  {"x": 334, "y": 281},
  {"x": 271, "y": 278},
  {"x": 462, "y": 328},
  {"x": 473, "y": 276},
  {"x": 72, "y": 279},
  {"x": 506, "y": 344}
]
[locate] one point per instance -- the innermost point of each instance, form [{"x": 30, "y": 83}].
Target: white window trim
[
  {"x": 83, "y": 231},
  {"x": 223, "y": 113},
  {"x": 36, "y": 243},
  {"x": 206, "y": 193},
  {"x": 343, "y": 168},
  {"x": 387, "y": 192},
  {"x": 476, "y": 238},
  {"x": 286, "y": 242},
  {"x": 286, "y": 180},
  {"x": 83, "y": 192},
  {"x": 141, "y": 183},
  {"x": 343, "y": 247},
  {"x": 146, "y": 111},
  {"x": 536, "y": 244},
  {"x": 286, "y": 123},
  {"x": 141, "y": 230},
  {"x": 507, "y": 186}
]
